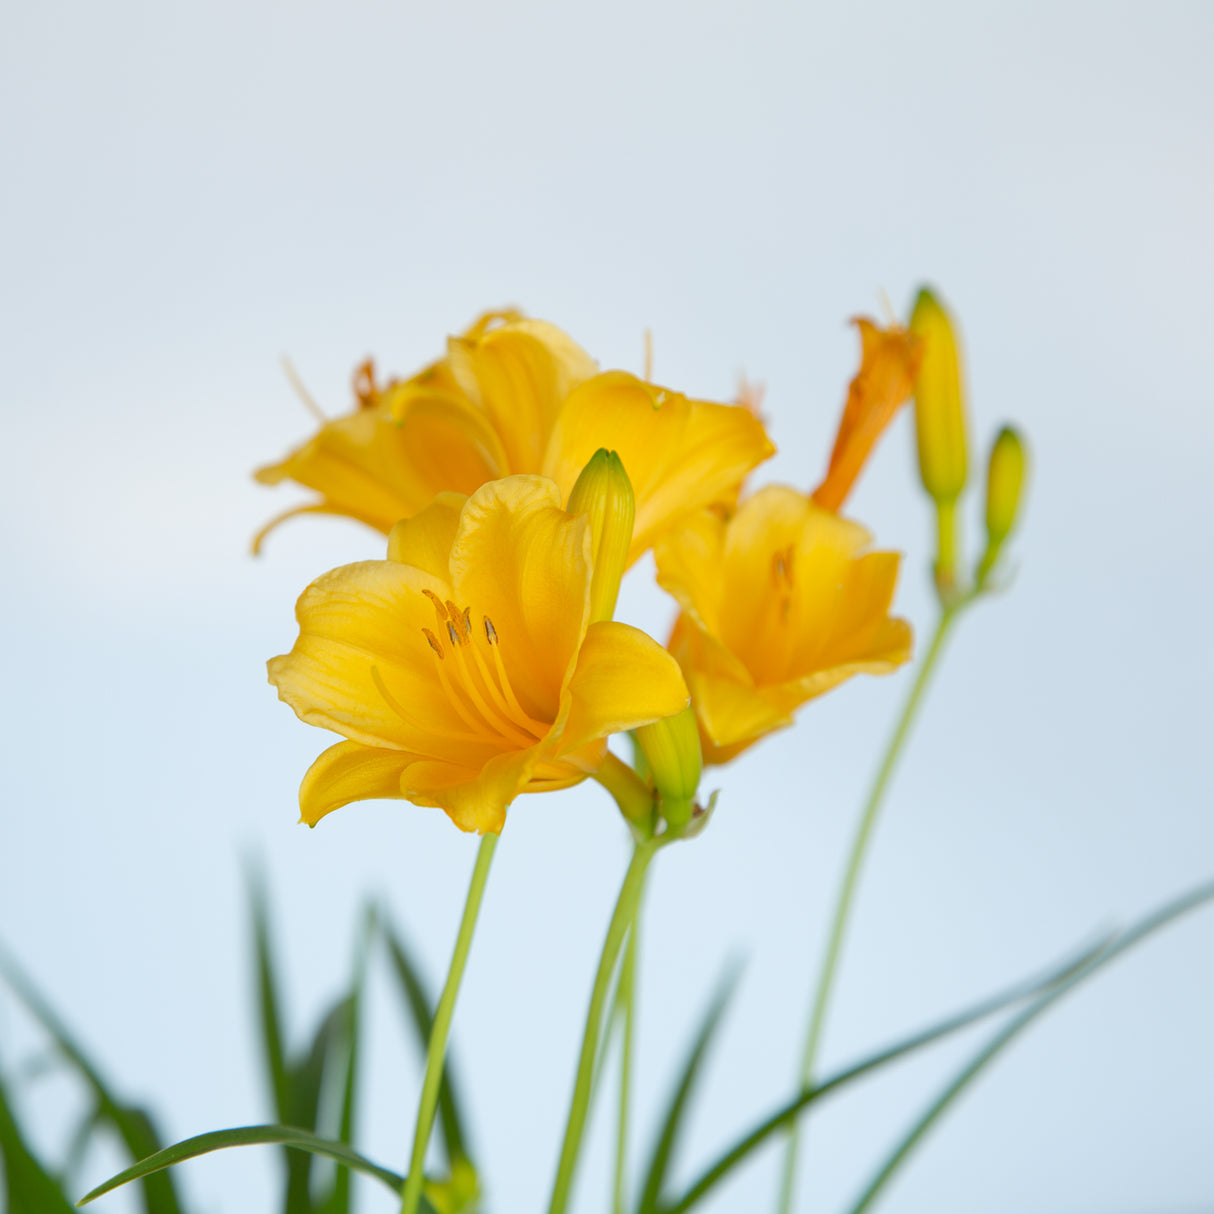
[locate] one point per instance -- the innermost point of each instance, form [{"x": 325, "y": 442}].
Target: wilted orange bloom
[
  {"x": 519, "y": 396},
  {"x": 889, "y": 361},
  {"x": 465, "y": 669},
  {"x": 779, "y": 604}
]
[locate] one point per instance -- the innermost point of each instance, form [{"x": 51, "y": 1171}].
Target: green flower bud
[
  {"x": 673, "y": 762},
  {"x": 603, "y": 492},
  {"x": 1004, "y": 491}
]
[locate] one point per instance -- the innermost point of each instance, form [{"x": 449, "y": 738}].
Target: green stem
[
  {"x": 621, "y": 919},
  {"x": 626, "y": 997},
  {"x": 437, "y": 1048},
  {"x": 843, "y": 905}
]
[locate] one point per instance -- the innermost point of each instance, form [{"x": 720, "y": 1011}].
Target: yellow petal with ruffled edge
[
  {"x": 478, "y": 803},
  {"x": 349, "y": 772},
  {"x": 519, "y": 376},
  {"x": 362, "y": 665},
  {"x": 623, "y": 679},
  {"x": 680, "y": 454}
]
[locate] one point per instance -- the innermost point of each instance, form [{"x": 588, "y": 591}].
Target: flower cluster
[{"x": 516, "y": 483}]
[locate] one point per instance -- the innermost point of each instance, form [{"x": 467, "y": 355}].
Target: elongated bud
[
  {"x": 603, "y": 492},
  {"x": 940, "y": 424},
  {"x": 672, "y": 756},
  {"x": 1004, "y": 489},
  {"x": 939, "y": 401}
]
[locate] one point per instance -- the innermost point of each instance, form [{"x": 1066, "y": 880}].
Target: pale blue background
[{"x": 192, "y": 190}]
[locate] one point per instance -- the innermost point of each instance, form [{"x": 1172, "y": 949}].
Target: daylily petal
[
  {"x": 520, "y": 561},
  {"x": 680, "y": 454},
  {"x": 519, "y": 375},
  {"x": 689, "y": 561},
  {"x": 623, "y": 679},
  {"x": 473, "y": 800},
  {"x": 361, "y": 635},
  {"x": 729, "y": 706},
  {"x": 424, "y": 541},
  {"x": 353, "y": 462},
  {"x": 891, "y": 647},
  {"x": 349, "y": 772}
]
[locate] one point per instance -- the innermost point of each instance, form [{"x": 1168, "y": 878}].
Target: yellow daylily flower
[
  {"x": 464, "y": 669},
  {"x": 889, "y": 362},
  {"x": 517, "y": 396},
  {"x": 779, "y": 604}
]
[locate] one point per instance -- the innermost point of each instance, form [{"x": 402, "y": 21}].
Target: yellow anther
[
  {"x": 433, "y": 642},
  {"x": 490, "y": 631}
]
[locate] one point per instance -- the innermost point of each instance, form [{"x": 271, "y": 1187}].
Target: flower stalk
[
  {"x": 437, "y": 1049},
  {"x": 851, "y": 876},
  {"x": 621, "y": 920}
]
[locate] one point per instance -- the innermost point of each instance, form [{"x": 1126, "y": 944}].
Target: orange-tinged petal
[
  {"x": 680, "y": 454},
  {"x": 889, "y": 361},
  {"x": 519, "y": 375},
  {"x": 349, "y": 772},
  {"x": 520, "y": 561},
  {"x": 623, "y": 679}
]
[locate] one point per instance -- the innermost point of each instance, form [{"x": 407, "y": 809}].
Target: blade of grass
[
  {"x": 273, "y": 1051},
  {"x": 133, "y": 1125},
  {"x": 338, "y": 1199},
  {"x": 28, "y": 1185},
  {"x": 251, "y": 1135},
  {"x": 1006, "y": 1035},
  {"x": 783, "y": 1116},
  {"x": 672, "y": 1124},
  {"x": 420, "y": 1005},
  {"x": 304, "y": 1083}
]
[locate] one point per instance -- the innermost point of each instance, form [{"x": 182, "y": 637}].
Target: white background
[{"x": 192, "y": 190}]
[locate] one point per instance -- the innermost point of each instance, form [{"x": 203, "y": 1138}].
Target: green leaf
[
  {"x": 338, "y": 1199},
  {"x": 304, "y": 1083},
  {"x": 784, "y": 1116},
  {"x": 420, "y": 1004},
  {"x": 252, "y": 1135},
  {"x": 267, "y": 1002},
  {"x": 28, "y": 1185},
  {"x": 133, "y": 1125},
  {"x": 1006, "y": 1035},
  {"x": 672, "y": 1126}
]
